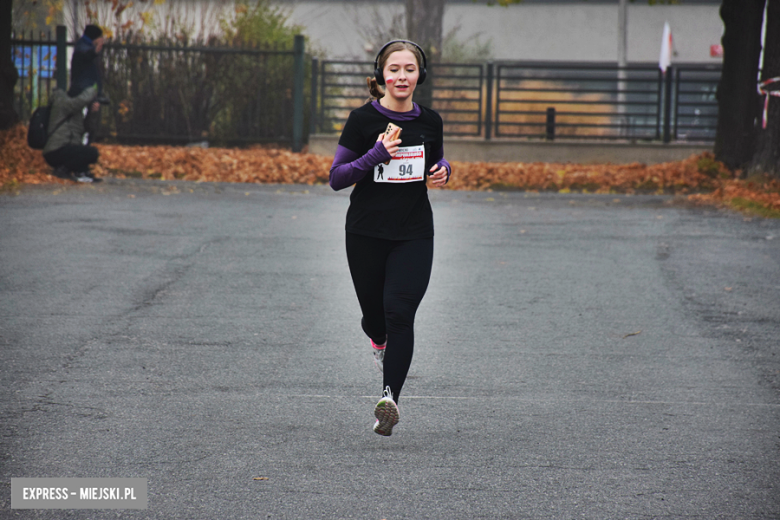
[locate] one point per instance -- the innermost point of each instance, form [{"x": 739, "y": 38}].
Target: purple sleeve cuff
[
  {"x": 446, "y": 164},
  {"x": 438, "y": 156},
  {"x": 348, "y": 168}
]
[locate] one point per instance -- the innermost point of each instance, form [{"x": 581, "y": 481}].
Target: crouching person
[{"x": 65, "y": 150}]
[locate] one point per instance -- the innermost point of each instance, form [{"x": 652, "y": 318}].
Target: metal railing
[
  {"x": 578, "y": 101},
  {"x": 184, "y": 94},
  {"x": 455, "y": 91},
  {"x": 180, "y": 94},
  {"x": 35, "y": 58},
  {"x": 542, "y": 100},
  {"x": 696, "y": 106},
  {"x": 458, "y": 96}
]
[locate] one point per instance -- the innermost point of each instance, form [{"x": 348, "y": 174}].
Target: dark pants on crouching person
[
  {"x": 390, "y": 278},
  {"x": 75, "y": 158}
]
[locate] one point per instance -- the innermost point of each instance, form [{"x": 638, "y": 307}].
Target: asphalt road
[{"x": 577, "y": 356}]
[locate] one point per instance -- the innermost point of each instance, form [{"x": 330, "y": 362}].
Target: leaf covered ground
[{"x": 700, "y": 179}]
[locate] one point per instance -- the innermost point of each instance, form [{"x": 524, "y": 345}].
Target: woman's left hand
[{"x": 439, "y": 178}]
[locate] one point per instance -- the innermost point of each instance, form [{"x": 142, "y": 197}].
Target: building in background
[
  {"x": 547, "y": 30},
  {"x": 568, "y": 30}
]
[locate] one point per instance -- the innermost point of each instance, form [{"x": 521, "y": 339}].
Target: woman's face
[{"x": 401, "y": 73}]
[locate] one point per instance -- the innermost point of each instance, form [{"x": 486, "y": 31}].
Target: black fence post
[
  {"x": 62, "y": 57},
  {"x": 659, "y": 111},
  {"x": 315, "y": 66},
  {"x": 676, "y": 101},
  {"x": 323, "y": 80},
  {"x": 489, "y": 101},
  {"x": 551, "y": 124},
  {"x": 298, "y": 75},
  {"x": 19, "y": 102},
  {"x": 669, "y": 74}
]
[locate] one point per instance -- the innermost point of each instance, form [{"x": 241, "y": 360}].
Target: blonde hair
[{"x": 374, "y": 90}]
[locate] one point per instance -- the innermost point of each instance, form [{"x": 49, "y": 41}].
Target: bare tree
[
  {"x": 737, "y": 95},
  {"x": 380, "y": 29},
  {"x": 424, "y": 21}
]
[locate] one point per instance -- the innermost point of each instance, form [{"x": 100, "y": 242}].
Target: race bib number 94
[{"x": 407, "y": 166}]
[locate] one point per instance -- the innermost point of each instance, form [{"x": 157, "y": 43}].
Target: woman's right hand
[{"x": 391, "y": 145}]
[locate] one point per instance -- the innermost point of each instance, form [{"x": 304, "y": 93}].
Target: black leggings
[
  {"x": 390, "y": 277},
  {"x": 74, "y": 157}
]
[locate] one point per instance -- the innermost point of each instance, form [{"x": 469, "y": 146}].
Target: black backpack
[{"x": 38, "y": 131}]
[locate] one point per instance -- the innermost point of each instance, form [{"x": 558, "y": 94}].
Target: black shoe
[{"x": 61, "y": 172}]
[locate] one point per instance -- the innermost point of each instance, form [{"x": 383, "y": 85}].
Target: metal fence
[
  {"x": 578, "y": 101},
  {"x": 178, "y": 94},
  {"x": 543, "y": 100},
  {"x": 342, "y": 88},
  {"x": 455, "y": 91},
  {"x": 181, "y": 94},
  {"x": 696, "y": 106},
  {"x": 35, "y": 57}
]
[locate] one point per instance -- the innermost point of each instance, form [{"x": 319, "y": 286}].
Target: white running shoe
[
  {"x": 379, "y": 355},
  {"x": 386, "y": 413},
  {"x": 82, "y": 177}
]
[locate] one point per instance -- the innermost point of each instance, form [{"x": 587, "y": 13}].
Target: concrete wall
[
  {"x": 586, "y": 31},
  {"x": 531, "y": 30},
  {"x": 499, "y": 150},
  {"x": 589, "y": 32}
]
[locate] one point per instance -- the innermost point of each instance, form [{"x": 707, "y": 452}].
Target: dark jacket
[{"x": 84, "y": 70}]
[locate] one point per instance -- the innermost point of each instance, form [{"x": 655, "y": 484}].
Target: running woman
[{"x": 389, "y": 221}]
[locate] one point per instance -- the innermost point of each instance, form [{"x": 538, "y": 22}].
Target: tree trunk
[
  {"x": 424, "y": 21},
  {"x": 767, "y": 155},
  {"x": 8, "y": 73},
  {"x": 738, "y": 101}
]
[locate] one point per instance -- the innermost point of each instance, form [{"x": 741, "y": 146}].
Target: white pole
[
  {"x": 622, "y": 58},
  {"x": 623, "y": 33},
  {"x": 763, "y": 41}
]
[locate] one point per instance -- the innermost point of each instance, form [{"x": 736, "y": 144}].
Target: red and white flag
[{"x": 666, "y": 48}]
